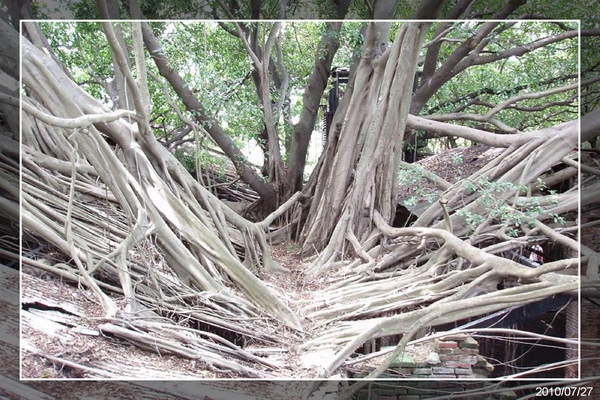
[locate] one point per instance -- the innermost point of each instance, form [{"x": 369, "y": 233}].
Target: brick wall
[
  {"x": 572, "y": 332},
  {"x": 451, "y": 357},
  {"x": 590, "y": 324}
]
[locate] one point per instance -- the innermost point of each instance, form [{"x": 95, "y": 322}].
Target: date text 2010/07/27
[{"x": 568, "y": 391}]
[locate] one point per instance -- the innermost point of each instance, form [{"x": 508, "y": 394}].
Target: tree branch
[{"x": 249, "y": 176}]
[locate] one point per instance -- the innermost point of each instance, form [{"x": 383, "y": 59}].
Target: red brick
[
  {"x": 445, "y": 351},
  {"x": 448, "y": 345},
  {"x": 467, "y": 352}
]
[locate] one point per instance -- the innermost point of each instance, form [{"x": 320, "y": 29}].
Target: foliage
[
  {"x": 415, "y": 177},
  {"x": 496, "y": 197},
  {"x": 82, "y": 47},
  {"x": 214, "y": 65},
  {"x": 481, "y": 87}
]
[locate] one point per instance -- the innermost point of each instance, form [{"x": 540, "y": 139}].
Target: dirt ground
[{"x": 59, "y": 323}]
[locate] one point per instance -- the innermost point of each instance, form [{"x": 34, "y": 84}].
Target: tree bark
[
  {"x": 361, "y": 177},
  {"x": 153, "y": 191}
]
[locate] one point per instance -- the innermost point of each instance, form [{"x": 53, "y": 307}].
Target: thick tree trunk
[
  {"x": 317, "y": 82},
  {"x": 290, "y": 179},
  {"x": 361, "y": 177}
]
